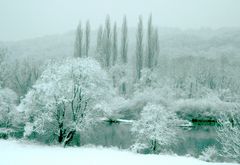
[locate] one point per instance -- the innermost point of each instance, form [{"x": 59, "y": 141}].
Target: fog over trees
[{"x": 147, "y": 89}]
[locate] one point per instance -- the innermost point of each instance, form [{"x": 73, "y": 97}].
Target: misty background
[{"x": 33, "y": 18}]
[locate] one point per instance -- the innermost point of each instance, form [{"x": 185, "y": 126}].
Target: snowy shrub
[
  {"x": 157, "y": 127},
  {"x": 229, "y": 138},
  {"x": 149, "y": 78},
  {"x": 7, "y": 107},
  {"x": 121, "y": 77},
  {"x": 139, "y": 147},
  {"x": 111, "y": 109},
  {"x": 209, "y": 108},
  {"x": 28, "y": 129},
  {"x": 11, "y": 121},
  {"x": 133, "y": 106},
  {"x": 62, "y": 102},
  {"x": 163, "y": 95},
  {"x": 210, "y": 154},
  {"x": 4, "y": 68}
]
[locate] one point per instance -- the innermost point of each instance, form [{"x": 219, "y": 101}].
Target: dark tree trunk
[
  {"x": 61, "y": 133},
  {"x": 69, "y": 138},
  {"x": 154, "y": 146}
]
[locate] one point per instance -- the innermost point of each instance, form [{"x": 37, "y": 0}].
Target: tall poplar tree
[
  {"x": 124, "y": 41},
  {"x": 78, "y": 42},
  {"x": 156, "y": 47},
  {"x": 150, "y": 45},
  {"x": 107, "y": 41},
  {"x": 87, "y": 38},
  {"x": 139, "y": 48},
  {"x": 115, "y": 45}
]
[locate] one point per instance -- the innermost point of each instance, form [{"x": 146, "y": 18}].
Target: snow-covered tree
[
  {"x": 139, "y": 49},
  {"x": 99, "y": 49},
  {"x": 148, "y": 78},
  {"x": 99, "y": 39},
  {"x": 150, "y": 44},
  {"x": 229, "y": 137},
  {"x": 156, "y": 47},
  {"x": 87, "y": 38},
  {"x": 62, "y": 102},
  {"x": 115, "y": 45},
  {"x": 24, "y": 75},
  {"x": 78, "y": 49},
  {"x": 124, "y": 55},
  {"x": 124, "y": 41},
  {"x": 107, "y": 42},
  {"x": 4, "y": 68},
  {"x": 157, "y": 127},
  {"x": 209, "y": 154},
  {"x": 120, "y": 76},
  {"x": 8, "y": 100}
]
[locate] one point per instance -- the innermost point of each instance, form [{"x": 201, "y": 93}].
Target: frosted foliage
[
  {"x": 59, "y": 79},
  {"x": 121, "y": 77},
  {"x": 148, "y": 79},
  {"x": 210, "y": 154},
  {"x": 28, "y": 129},
  {"x": 210, "y": 107},
  {"x": 229, "y": 137},
  {"x": 156, "y": 125},
  {"x": 85, "y": 71},
  {"x": 66, "y": 94},
  {"x": 4, "y": 70},
  {"x": 7, "y": 106}
]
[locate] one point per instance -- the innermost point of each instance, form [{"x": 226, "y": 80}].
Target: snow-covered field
[{"x": 19, "y": 153}]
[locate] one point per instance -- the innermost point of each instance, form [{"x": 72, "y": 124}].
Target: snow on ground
[{"x": 19, "y": 153}]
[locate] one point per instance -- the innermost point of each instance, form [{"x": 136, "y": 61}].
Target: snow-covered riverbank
[{"x": 19, "y": 153}]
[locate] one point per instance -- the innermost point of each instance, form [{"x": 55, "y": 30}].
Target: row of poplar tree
[{"x": 107, "y": 44}]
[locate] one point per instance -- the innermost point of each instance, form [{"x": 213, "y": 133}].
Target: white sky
[{"x": 21, "y": 19}]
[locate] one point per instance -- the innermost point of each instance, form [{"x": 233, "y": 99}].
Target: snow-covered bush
[
  {"x": 210, "y": 154},
  {"x": 149, "y": 78},
  {"x": 157, "y": 127},
  {"x": 7, "y": 107},
  {"x": 229, "y": 137},
  {"x": 208, "y": 108},
  {"x": 139, "y": 147},
  {"x": 4, "y": 68},
  {"x": 132, "y": 107},
  {"x": 63, "y": 101},
  {"x": 11, "y": 121},
  {"x": 122, "y": 78},
  {"x": 24, "y": 75}
]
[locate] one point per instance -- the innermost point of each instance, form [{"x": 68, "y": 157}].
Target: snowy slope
[
  {"x": 173, "y": 43},
  {"x": 16, "y": 153}
]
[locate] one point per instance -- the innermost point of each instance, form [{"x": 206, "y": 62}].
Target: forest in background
[{"x": 147, "y": 89}]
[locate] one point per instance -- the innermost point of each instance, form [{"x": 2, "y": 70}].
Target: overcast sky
[{"x": 22, "y": 19}]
